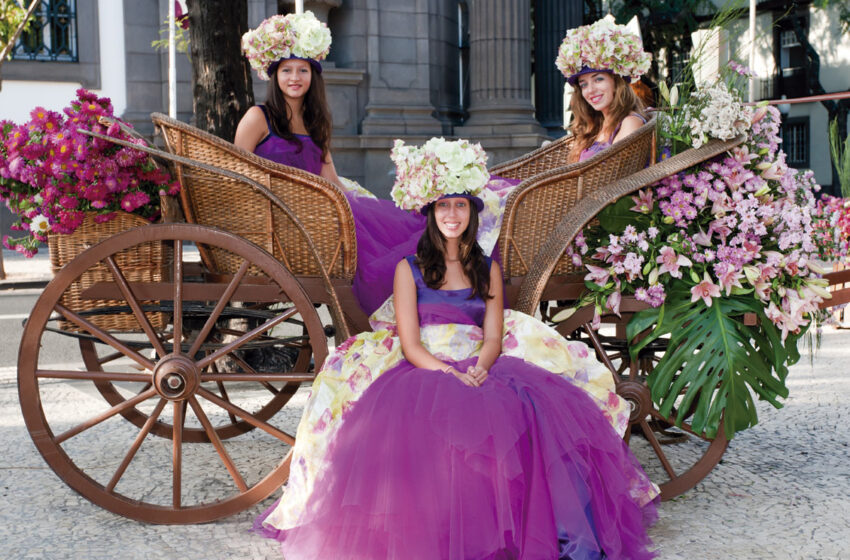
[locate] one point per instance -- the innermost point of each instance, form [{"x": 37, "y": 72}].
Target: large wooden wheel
[
  {"x": 185, "y": 379},
  {"x": 674, "y": 457}
]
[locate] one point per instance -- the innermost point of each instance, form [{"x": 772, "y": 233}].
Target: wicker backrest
[
  {"x": 550, "y": 156},
  {"x": 210, "y": 199},
  {"x": 536, "y": 206}
]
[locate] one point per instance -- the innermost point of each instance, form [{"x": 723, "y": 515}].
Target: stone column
[
  {"x": 500, "y": 69},
  {"x": 398, "y": 60},
  {"x": 552, "y": 18}
]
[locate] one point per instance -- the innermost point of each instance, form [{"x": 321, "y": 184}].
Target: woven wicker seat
[
  {"x": 551, "y": 156},
  {"x": 538, "y": 204},
  {"x": 300, "y": 218},
  {"x": 210, "y": 199}
]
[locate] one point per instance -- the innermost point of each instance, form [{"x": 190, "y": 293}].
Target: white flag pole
[
  {"x": 752, "y": 50},
  {"x": 172, "y": 63},
  {"x": 299, "y": 6}
]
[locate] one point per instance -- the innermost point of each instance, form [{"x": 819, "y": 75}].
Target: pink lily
[
  {"x": 670, "y": 262},
  {"x": 705, "y": 290}
]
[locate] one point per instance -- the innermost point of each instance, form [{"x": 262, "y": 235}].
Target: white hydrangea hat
[
  {"x": 282, "y": 37},
  {"x": 602, "y": 46},
  {"x": 438, "y": 169}
]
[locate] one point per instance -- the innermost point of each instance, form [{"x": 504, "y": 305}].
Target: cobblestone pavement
[{"x": 782, "y": 490}]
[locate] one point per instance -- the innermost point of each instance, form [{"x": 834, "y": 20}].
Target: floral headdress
[
  {"x": 438, "y": 169},
  {"x": 282, "y": 37},
  {"x": 602, "y": 46}
]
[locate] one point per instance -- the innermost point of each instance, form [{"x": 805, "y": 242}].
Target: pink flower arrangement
[
  {"x": 51, "y": 174},
  {"x": 832, "y": 228},
  {"x": 741, "y": 225}
]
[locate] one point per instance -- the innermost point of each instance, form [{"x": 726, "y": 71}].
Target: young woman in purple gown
[
  {"x": 599, "y": 61},
  {"x": 294, "y": 128},
  {"x": 461, "y": 431}
]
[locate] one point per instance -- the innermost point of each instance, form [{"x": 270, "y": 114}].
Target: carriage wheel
[
  {"x": 183, "y": 383},
  {"x": 96, "y": 355},
  {"x": 674, "y": 457}
]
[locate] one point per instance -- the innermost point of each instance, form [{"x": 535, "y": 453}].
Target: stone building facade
[{"x": 410, "y": 69}]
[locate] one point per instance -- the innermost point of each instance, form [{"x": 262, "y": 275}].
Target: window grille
[
  {"x": 766, "y": 88},
  {"x": 795, "y": 142},
  {"x": 52, "y": 35},
  {"x": 788, "y": 39}
]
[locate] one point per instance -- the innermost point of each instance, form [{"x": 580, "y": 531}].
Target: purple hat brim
[
  {"x": 573, "y": 79},
  {"x": 317, "y": 66},
  {"x": 479, "y": 204}
]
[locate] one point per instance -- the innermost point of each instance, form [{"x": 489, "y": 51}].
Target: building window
[
  {"x": 795, "y": 142},
  {"x": 52, "y": 35},
  {"x": 792, "y": 76},
  {"x": 463, "y": 54}
]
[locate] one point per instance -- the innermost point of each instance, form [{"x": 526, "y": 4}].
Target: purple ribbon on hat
[
  {"x": 573, "y": 79},
  {"x": 317, "y": 66},
  {"x": 479, "y": 204}
]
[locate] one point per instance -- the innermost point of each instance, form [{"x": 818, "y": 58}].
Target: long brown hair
[
  {"x": 317, "y": 116},
  {"x": 431, "y": 256},
  {"x": 587, "y": 121}
]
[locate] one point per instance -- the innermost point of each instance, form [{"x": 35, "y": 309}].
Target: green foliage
[
  {"x": 181, "y": 39},
  {"x": 713, "y": 360},
  {"x": 840, "y": 157},
  {"x": 11, "y": 17},
  {"x": 615, "y": 217}
]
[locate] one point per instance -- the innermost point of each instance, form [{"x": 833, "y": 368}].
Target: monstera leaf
[
  {"x": 713, "y": 360},
  {"x": 615, "y": 217}
]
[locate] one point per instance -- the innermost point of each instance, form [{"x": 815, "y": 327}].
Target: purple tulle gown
[{"x": 425, "y": 467}]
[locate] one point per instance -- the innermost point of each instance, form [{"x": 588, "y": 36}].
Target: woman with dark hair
[
  {"x": 456, "y": 429},
  {"x": 294, "y": 126},
  {"x": 599, "y": 61}
]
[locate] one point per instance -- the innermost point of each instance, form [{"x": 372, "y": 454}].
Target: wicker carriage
[{"x": 238, "y": 328}]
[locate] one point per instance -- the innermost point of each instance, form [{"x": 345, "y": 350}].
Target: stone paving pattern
[{"x": 782, "y": 491}]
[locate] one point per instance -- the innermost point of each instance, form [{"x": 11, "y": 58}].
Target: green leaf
[
  {"x": 714, "y": 363},
  {"x": 615, "y": 217}
]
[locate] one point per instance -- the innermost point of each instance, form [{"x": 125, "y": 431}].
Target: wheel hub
[
  {"x": 637, "y": 394},
  {"x": 176, "y": 378}
]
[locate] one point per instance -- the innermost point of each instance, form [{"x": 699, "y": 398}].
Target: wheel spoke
[
  {"x": 224, "y": 396},
  {"x": 262, "y": 377},
  {"x": 105, "y": 337},
  {"x": 143, "y": 433},
  {"x": 178, "y": 296},
  {"x": 216, "y": 441},
  {"x": 92, "y": 375},
  {"x": 109, "y": 358},
  {"x": 125, "y": 288},
  {"x": 104, "y": 416},
  {"x": 219, "y": 307},
  {"x": 650, "y": 436},
  {"x": 684, "y": 427},
  {"x": 177, "y": 454},
  {"x": 223, "y": 391},
  {"x": 597, "y": 345},
  {"x": 250, "y": 335},
  {"x": 253, "y": 374},
  {"x": 628, "y": 435},
  {"x": 247, "y": 416}
]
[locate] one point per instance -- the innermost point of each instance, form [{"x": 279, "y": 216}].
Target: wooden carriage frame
[{"x": 272, "y": 244}]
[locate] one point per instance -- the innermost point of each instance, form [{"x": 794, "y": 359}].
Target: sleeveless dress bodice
[
  {"x": 303, "y": 154},
  {"x": 597, "y": 146},
  {"x": 440, "y": 307}
]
